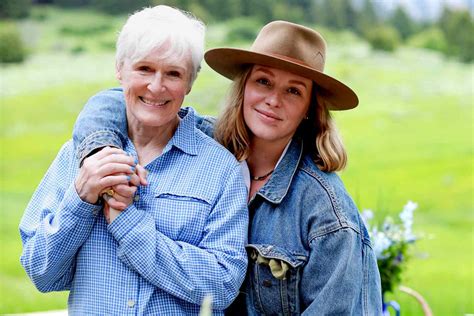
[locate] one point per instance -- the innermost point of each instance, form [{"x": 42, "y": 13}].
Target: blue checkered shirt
[{"x": 181, "y": 239}]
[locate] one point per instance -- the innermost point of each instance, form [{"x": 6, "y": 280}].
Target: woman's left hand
[
  {"x": 123, "y": 194},
  {"x": 115, "y": 204}
]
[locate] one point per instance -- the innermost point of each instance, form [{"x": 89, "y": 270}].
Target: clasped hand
[{"x": 110, "y": 168}]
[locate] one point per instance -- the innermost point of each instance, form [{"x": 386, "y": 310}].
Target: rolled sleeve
[{"x": 96, "y": 140}]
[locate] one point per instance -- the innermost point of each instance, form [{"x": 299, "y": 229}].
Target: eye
[
  {"x": 264, "y": 81},
  {"x": 294, "y": 91},
  {"x": 144, "y": 68},
  {"x": 174, "y": 73}
]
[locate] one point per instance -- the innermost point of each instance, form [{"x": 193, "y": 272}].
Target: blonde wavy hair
[{"x": 319, "y": 134}]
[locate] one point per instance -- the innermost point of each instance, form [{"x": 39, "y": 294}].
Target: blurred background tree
[
  {"x": 451, "y": 33},
  {"x": 14, "y": 9},
  {"x": 458, "y": 29},
  {"x": 12, "y": 49}
]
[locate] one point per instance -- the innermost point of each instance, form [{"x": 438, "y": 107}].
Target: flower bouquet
[{"x": 391, "y": 242}]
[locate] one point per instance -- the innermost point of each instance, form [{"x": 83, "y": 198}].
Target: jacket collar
[
  {"x": 185, "y": 138},
  {"x": 279, "y": 183}
]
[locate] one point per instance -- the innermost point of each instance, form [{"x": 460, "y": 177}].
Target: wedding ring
[{"x": 110, "y": 192}]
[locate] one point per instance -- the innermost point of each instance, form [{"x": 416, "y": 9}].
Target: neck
[
  {"x": 264, "y": 156},
  {"x": 149, "y": 141}
]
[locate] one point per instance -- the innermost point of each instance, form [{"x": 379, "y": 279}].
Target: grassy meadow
[{"x": 411, "y": 138}]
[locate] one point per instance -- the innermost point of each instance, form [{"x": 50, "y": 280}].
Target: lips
[
  {"x": 154, "y": 103},
  {"x": 268, "y": 115}
]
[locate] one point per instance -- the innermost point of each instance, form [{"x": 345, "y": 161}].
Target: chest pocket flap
[
  {"x": 274, "y": 276},
  {"x": 180, "y": 215}
]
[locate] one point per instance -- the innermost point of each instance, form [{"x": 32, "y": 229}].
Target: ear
[{"x": 118, "y": 73}]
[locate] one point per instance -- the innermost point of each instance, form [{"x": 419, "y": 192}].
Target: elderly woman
[
  {"x": 181, "y": 237},
  {"x": 309, "y": 250}
]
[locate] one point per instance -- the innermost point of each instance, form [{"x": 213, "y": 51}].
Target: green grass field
[{"x": 411, "y": 138}]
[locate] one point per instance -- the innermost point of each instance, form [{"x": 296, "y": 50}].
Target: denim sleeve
[
  {"x": 102, "y": 122},
  {"x": 216, "y": 266},
  {"x": 205, "y": 123},
  {"x": 341, "y": 277},
  {"x": 54, "y": 226}
]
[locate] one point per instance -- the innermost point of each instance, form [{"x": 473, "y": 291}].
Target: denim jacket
[{"x": 309, "y": 251}]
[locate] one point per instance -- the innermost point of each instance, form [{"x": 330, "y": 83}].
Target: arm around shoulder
[{"x": 102, "y": 122}]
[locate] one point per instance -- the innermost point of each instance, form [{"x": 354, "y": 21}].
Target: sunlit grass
[{"x": 411, "y": 138}]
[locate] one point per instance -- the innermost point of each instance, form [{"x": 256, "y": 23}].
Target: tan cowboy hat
[{"x": 290, "y": 47}]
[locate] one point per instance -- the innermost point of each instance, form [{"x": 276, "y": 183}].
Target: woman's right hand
[
  {"x": 123, "y": 194},
  {"x": 107, "y": 168}
]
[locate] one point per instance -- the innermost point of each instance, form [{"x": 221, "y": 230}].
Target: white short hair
[{"x": 151, "y": 28}]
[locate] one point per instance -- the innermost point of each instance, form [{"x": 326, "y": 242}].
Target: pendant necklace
[{"x": 261, "y": 177}]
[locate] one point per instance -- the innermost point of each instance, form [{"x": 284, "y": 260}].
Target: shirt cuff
[
  {"x": 95, "y": 141},
  {"x": 74, "y": 204},
  {"x": 128, "y": 219}
]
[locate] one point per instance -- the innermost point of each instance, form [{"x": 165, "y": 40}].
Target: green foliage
[
  {"x": 85, "y": 29},
  {"x": 106, "y": 6},
  {"x": 15, "y": 9},
  {"x": 432, "y": 38},
  {"x": 384, "y": 38},
  {"x": 402, "y": 22},
  {"x": 72, "y": 3},
  {"x": 243, "y": 29},
  {"x": 79, "y": 49},
  {"x": 337, "y": 14},
  {"x": 119, "y": 6},
  {"x": 391, "y": 269},
  {"x": 366, "y": 17},
  {"x": 12, "y": 49},
  {"x": 458, "y": 27}
]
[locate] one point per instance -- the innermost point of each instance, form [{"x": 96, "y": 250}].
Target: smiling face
[
  {"x": 275, "y": 103},
  {"x": 154, "y": 89}
]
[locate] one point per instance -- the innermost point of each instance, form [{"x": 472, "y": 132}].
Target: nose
[
  {"x": 156, "y": 83},
  {"x": 273, "y": 98}
]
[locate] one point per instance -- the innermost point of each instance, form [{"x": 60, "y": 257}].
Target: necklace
[{"x": 261, "y": 177}]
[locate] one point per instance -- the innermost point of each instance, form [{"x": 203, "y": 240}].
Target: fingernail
[
  {"x": 133, "y": 168},
  {"x": 136, "y": 161},
  {"x": 128, "y": 178}
]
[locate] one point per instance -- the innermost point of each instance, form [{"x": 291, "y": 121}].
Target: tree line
[{"x": 450, "y": 34}]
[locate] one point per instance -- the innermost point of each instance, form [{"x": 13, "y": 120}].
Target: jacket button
[{"x": 267, "y": 283}]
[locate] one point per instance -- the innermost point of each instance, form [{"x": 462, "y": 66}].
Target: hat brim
[{"x": 229, "y": 62}]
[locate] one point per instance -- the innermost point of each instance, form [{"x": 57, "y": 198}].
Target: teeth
[{"x": 154, "y": 103}]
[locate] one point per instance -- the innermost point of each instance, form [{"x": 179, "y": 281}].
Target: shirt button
[
  {"x": 136, "y": 198},
  {"x": 131, "y": 303}
]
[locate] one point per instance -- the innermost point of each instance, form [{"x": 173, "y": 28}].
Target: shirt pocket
[
  {"x": 274, "y": 277},
  {"x": 181, "y": 217}
]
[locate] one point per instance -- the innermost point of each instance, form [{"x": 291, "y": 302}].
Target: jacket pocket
[
  {"x": 274, "y": 277},
  {"x": 181, "y": 217}
]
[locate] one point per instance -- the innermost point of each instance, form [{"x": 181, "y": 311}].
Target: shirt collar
[
  {"x": 185, "y": 138},
  {"x": 279, "y": 183}
]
